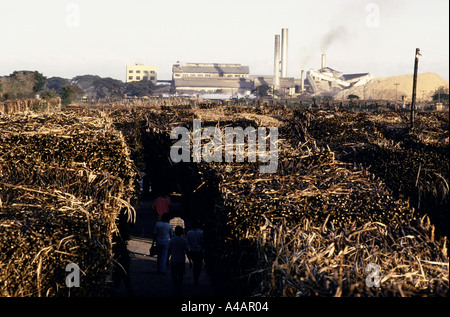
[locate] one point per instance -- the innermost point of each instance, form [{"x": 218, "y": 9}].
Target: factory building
[
  {"x": 280, "y": 85},
  {"x": 211, "y": 78},
  {"x": 140, "y": 71},
  {"x": 328, "y": 80},
  {"x": 234, "y": 80},
  {"x": 286, "y": 87}
]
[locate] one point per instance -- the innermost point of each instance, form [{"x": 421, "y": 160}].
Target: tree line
[
  {"x": 29, "y": 84},
  {"x": 94, "y": 87}
]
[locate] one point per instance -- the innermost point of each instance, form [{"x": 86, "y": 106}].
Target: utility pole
[
  {"x": 413, "y": 102},
  {"x": 396, "y": 88},
  {"x": 423, "y": 100}
]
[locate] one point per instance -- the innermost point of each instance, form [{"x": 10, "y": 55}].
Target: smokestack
[
  {"x": 276, "y": 63},
  {"x": 302, "y": 82},
  {"x": 324, "y": 58},
  {"x": 284, "y": 51}
]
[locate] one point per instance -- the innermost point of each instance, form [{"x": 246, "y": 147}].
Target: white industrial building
[
  {"x": 328, "y": 80},
  {"x": 234, "y": 80},
  {"x": 211, "y": 78}
]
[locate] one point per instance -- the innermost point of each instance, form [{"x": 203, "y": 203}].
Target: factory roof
[
  {"x": 335, "y": 73},
  {"x": 354, "y": 76},
  {"x": 211, "y": 68}
]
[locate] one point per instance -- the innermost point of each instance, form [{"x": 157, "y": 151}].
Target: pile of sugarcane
[
  {"x": 331, "y": 258},
  {"x": 312, "y": 221},
  {"x": 318, "y": 226},
  {"x": 312, "y": 193},
  {"x": 64, "y": 182},
  {"x": 29, "y": 105},
  {"x": 312, "y": 227},
  {"x": 413, "y": 164},
  {"x": 315, "y": 186}
]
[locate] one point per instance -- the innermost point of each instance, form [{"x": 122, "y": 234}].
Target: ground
[{"x": 145, "y": 281}]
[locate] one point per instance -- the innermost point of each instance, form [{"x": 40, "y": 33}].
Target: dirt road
[{"x": 145, "y": 280}]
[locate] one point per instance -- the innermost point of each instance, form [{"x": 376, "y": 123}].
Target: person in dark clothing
[
  {"x": 179, "y": 249},
  {"x": 195, "y": 242},
  {"x": 121, "y": 256},
  {"x": 121, "y": 262}
]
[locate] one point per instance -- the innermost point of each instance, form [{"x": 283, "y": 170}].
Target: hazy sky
[{"x": 100, "y": 37}]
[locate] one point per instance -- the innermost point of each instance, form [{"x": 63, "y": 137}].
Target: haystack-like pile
[
  {"x": 319, "y": 226},
  {"x": 387, "y": 88},
  {"x": 323, "y": 224},
  {"x": 64, "y": 180}
]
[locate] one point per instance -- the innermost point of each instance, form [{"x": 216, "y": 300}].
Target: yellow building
[{"x": 140, "y": 71}]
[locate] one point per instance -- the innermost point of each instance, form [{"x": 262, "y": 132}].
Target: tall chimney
[
  {"x": 324, "y": 58},
  {"x": 276, "y": 63},
  {"x": 302, "y": 82},
  {"x": 284, "y": 51}
]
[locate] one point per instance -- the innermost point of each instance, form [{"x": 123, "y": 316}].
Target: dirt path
[{"x": 145, "y": 281}]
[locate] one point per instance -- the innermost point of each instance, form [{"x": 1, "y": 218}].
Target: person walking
[
  {"x": 179, "y": 248},
  {"x": 195, "y": 241},
  {"x": 162, "y": 234},
  {"x": 161, "y": 205},
  {"x": 177, "y": 221}
]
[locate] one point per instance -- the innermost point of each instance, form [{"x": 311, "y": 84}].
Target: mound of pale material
[{"x": 384, "y": 88}]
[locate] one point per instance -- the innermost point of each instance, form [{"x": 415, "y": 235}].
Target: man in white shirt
[
  {"x": 162, "y": 234},
  {"x": 177, "y": 221}
]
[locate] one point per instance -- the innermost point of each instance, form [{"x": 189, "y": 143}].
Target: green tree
[
  {"x": 49, "y": 94},
  {"x": 139, "y": 88},
  {"x": 85, "y": 81},
  {"x": 353, "y": 97},
  {"x": 441, "y": 94},
  {"x": 22, "y": 84},
  {"x": 262, "y": 91},
  {"x": 39, "y": 81},
  {"x": 56, "y": 84},
  {"x": 68, "y": 94},
  {"x": 108, "y": 87}
]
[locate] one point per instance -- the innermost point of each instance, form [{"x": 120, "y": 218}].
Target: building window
[
  {"x": 152, "y": 78},
  {"x": 130, "y": 77},
  {"x": 152, "y": 71},
  {"x": 138, "y": 77},
  {"x": 130, "y": 71},
  {"x": 138, "y": 72}
]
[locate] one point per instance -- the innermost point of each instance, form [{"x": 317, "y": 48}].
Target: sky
[{"x": 67, "y": 38}]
